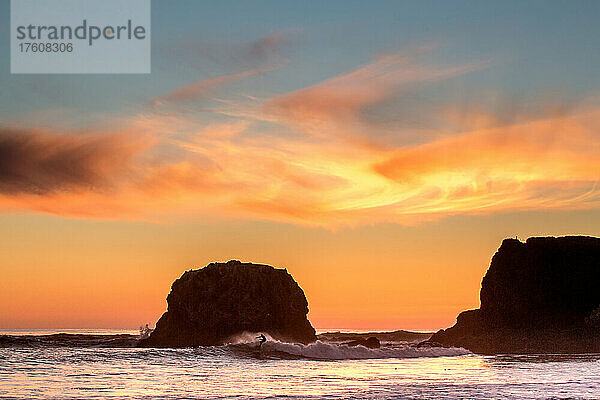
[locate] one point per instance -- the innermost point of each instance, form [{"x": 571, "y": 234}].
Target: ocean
[{"x": 88, "y": 364}]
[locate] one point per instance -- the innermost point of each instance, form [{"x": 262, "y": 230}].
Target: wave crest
[{"x": 245, "y": 344}]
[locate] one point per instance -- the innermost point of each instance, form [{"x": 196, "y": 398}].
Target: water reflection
[{"x": 53, "y": 373}]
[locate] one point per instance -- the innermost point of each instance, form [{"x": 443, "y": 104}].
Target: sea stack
[
  {"x": 208, "y": 306},
  {"x": 541, "y": 296}
]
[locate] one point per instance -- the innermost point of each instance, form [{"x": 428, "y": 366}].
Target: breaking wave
[{"x": 246, "y": 345}]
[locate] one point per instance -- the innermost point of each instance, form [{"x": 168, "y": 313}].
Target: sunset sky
[{"x": 380, "y": 151}]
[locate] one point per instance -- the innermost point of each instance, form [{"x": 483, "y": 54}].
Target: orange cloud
[
  {"x": 548, "y": 163},
  {"x": 206, "y": 87},
  {"x": 336, "y": 106},
  {"x": 308, "y": 157}
]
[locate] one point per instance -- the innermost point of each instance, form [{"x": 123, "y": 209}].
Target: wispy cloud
[
  {"x": 257, "y": 57},
  {"x": 337, "y": 105},
  {"x": 311, "y": 157},
  {"x": 543, "y": 164},
  {"x": 267, "y": 49},
  {"x": 255, "y": 53},
  {"x": 204, "y": 88}
]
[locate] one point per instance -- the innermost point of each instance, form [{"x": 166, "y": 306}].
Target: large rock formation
[
  {"x": 209, "y": 305},
  {"x": 541, "y": 296}
]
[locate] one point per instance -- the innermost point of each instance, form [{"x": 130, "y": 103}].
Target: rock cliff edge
[
  {"x": 210, "y": 305},
  {"x": 541, "y": 296}
]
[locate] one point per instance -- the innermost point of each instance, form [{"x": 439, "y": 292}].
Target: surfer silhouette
[
  {"x": 261, "y": 339},
  {"x": 145, "y": 331}
]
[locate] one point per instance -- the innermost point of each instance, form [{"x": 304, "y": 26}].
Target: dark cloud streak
[{"x": 39, "y": 163}]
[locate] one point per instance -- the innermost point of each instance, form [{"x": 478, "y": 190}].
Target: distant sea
[{"x": 101, "y": 364}]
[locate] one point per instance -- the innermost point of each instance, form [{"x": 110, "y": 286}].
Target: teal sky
[{"x": 535, "y": 48}]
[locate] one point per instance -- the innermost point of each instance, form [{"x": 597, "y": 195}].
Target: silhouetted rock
[
  {"x": 371, "y": 343},
  {"x": 209, "y": 305},
  {"x": 541, "y": 296}
]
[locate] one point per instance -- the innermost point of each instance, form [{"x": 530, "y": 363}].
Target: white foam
[
  {"x": 247, "y": 338},
  {"x": 335, "y": 351},
  {"x": 331, "y": 351}
]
